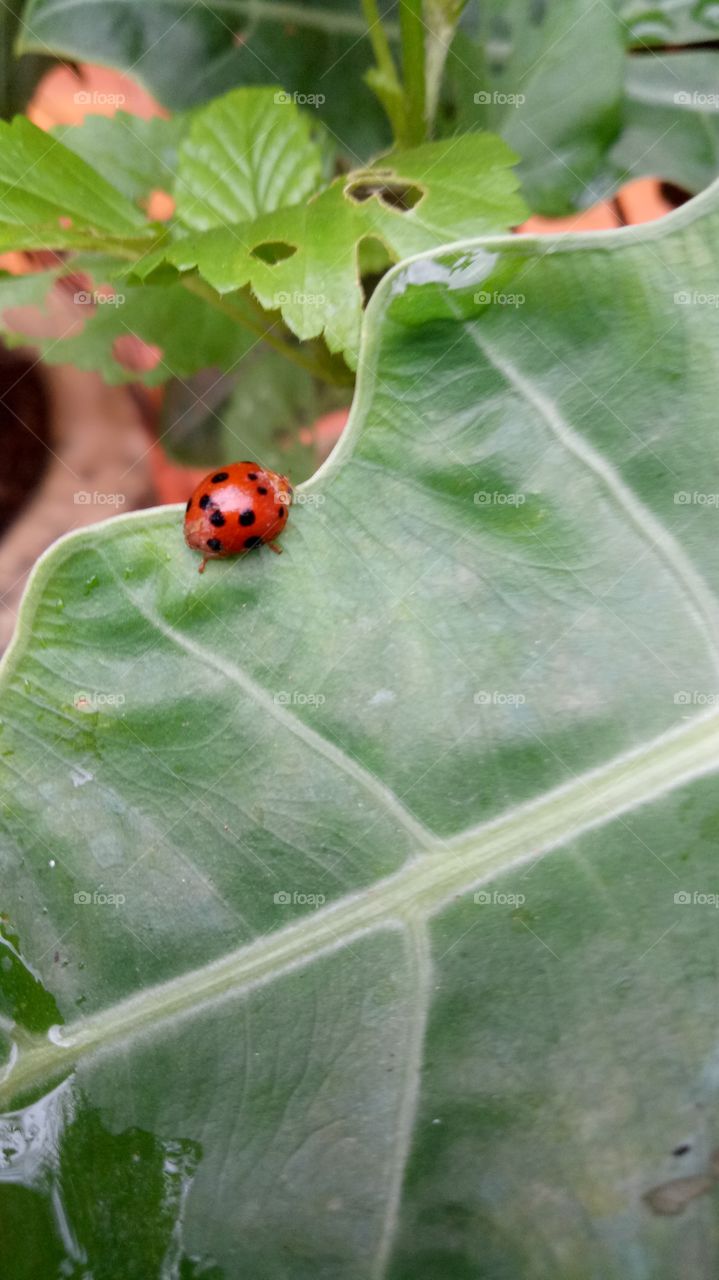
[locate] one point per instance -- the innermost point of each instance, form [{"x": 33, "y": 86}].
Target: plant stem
[
  {"x": 441, "y": 18},
  {"x": 380, "y": 43},
  {"x": 413, "y": 71}
]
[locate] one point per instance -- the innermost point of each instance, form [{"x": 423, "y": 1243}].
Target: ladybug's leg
[
  {"x": 274, "y": 547},
  {"x": 202, "y": 566}
]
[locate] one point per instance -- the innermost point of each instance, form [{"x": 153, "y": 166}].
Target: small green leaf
[{"x": 249, "y": 152}]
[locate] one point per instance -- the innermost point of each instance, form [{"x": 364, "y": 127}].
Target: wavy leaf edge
[{"x": 406, "y": 899}]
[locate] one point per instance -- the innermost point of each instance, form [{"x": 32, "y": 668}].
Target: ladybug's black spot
[
  {"x": 189, "y": 504},
  {"x": 281, "y": 511},
  {"x": 247, "y": 517},
  {"x": 254, "y": 541},
  {"x": 214, "y": 544},
  {"x": 252, "y": 475},
  {"x": 217, "y": 519},
  {"x": 205, "y": 501},
  {"x": 221, "y": 475},
  {"x": 261, "y": 489}
]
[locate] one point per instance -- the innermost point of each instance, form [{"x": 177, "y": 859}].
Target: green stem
[
  {"x": 383, "y": 77},
  {"x": 441, "y": 18},
  {"x": 412, "y": 30},
  {"x": 378, "y": 38}
]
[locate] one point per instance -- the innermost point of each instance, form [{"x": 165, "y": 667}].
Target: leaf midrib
[
  {"x": 323, "y": 745},
  {"x": 406, "y": 897}
]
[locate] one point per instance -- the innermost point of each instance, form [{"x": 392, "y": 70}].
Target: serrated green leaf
[
  {"x": 248, "y": 153},
  {"x": 486, "y": 664},
  {"x": 453, "y": 188}
]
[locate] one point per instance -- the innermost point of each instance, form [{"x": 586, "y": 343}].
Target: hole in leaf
[
  {"x": 373, "y": 259},
  {"x": 272, "y": 251},
  {"x": 391, "y": 192}
]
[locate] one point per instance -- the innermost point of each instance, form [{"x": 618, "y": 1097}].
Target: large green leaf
[
  {"x": 302, "y": 259},
  {"x": 359, "y": 901}
]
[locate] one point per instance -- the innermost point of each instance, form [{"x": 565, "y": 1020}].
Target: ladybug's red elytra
[{"x": 236, "y": 508}]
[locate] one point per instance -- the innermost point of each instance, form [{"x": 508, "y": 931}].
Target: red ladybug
[{"x": 236, "y": 508}]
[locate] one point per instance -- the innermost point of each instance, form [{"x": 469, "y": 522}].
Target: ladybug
[{"x": 235, "y": 509}]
